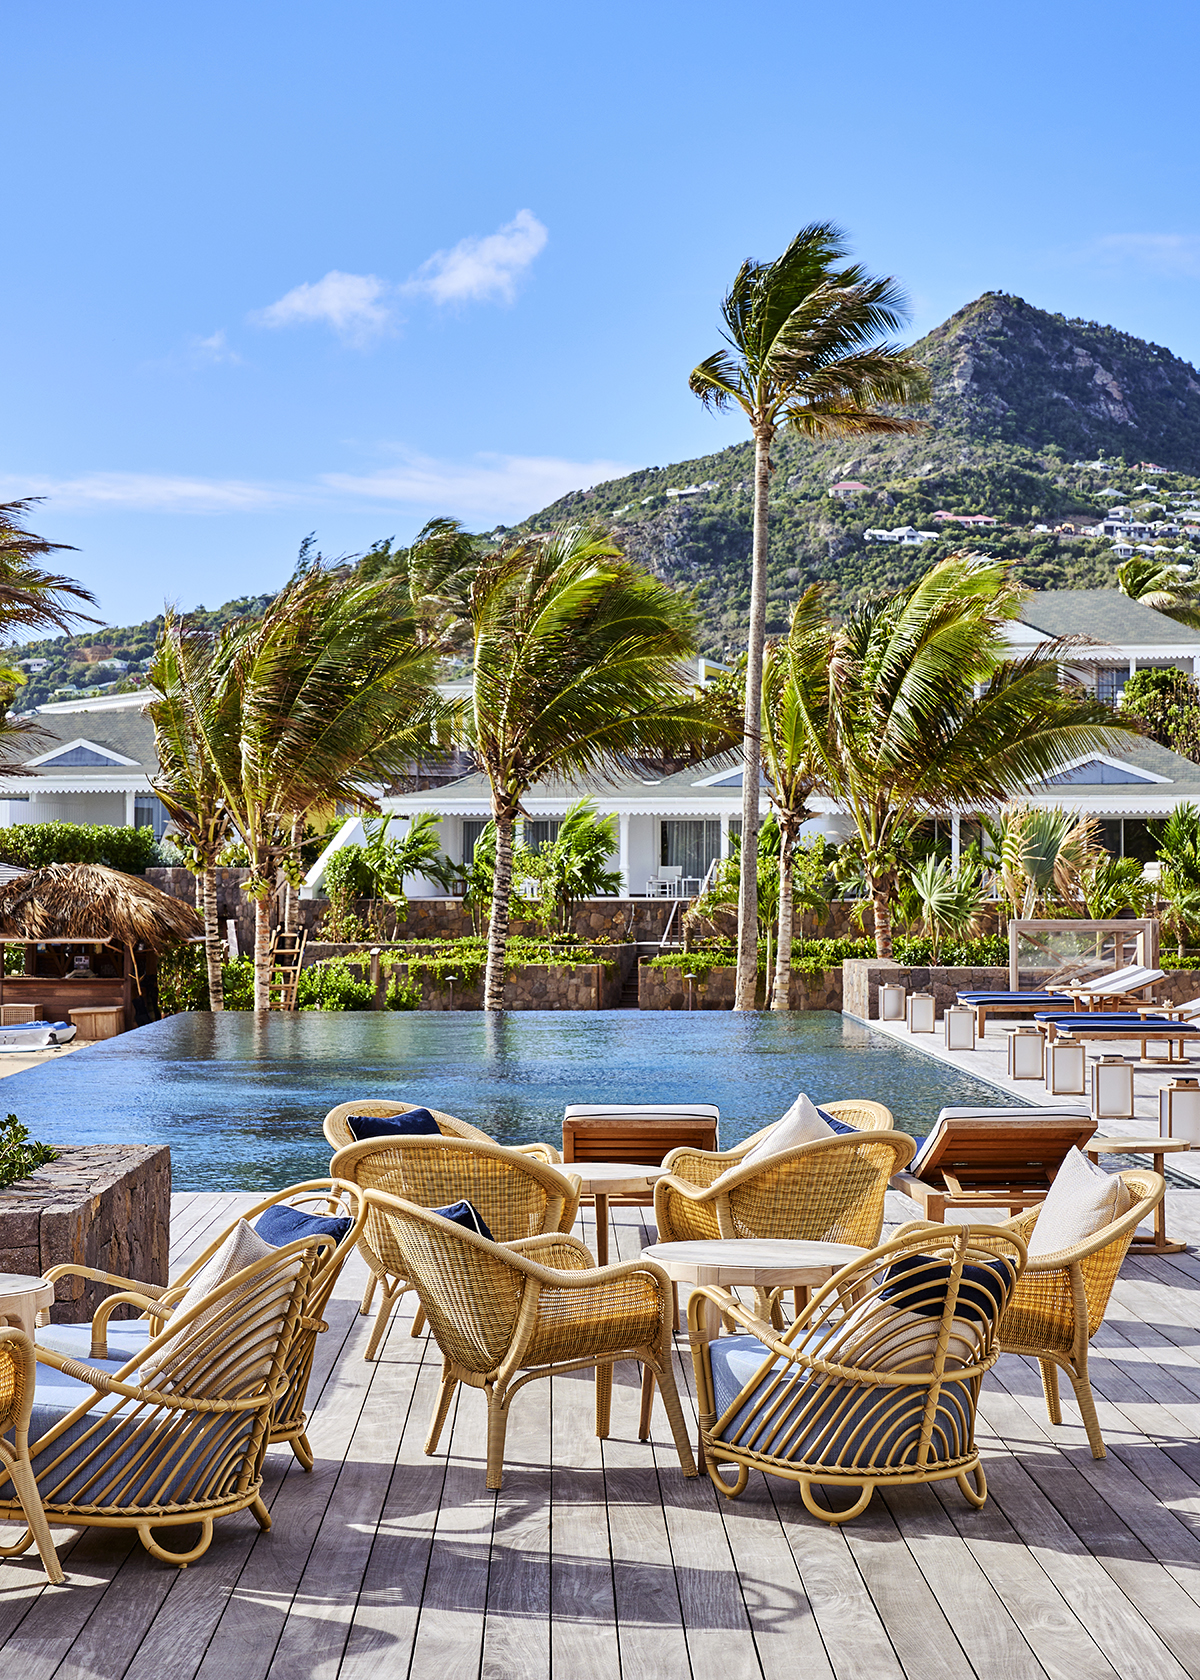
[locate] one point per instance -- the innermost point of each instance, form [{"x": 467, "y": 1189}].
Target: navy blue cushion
[
  {"x": 280, "y": 1225},
  {"x": 981, "y": 1289},
  {"x": 418, "y": 1122},
  {"x": 834, "y": 1124},
  {"x": 468, "y": 1216}
]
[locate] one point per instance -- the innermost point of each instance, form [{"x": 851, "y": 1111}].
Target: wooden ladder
[{"x": 287, "y": 954}]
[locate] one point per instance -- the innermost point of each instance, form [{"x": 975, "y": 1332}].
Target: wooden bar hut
[{"x": 92, "y": 938}]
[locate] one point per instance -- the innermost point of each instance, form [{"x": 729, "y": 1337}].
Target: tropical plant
[
  {"x": 390, "y": 862},
  {"x": 577, "y": 663},
  {"x": 1045, "y": 854},
  {"x": 927, "y": 714},
  {"x": 33, "y": 845},
  {"x": 1168, "y": 703},
  {"x": 951, "y": 900},
  {"x": 575, "y": 864},
  {"x": 1165, "y": 585},
  {"x": 804, "y": 349},
  {"x": 1112, "y": 885},
  {"x": 1178, "y": 841}
]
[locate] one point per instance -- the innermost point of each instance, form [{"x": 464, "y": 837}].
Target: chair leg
[
  {"x": 302, "y": 1451},
  {"x": 21, "y": 1472},
  {"x": 670, "y": 1398},
  {"x": 604, "y": 1376},
  {"x": 445, "y": 1395},
  {"x": 418, "y": 1323},
  {"x": 368, "y": 1294},
  {"x": 647, "y": 1403},
  {"x": 835, "y": 1517},
  {"x": 180, "y": 1559},
  {"x": 1087, "y": 1406},
  {"x": 261, "y": 1515},
  {"x": 388, "y": 1299},
  {"x": 497, "y": 1426},
  {"x": 1050, "y": 1390}
]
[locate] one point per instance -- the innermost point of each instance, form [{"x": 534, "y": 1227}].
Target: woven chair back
[
  {"x": 338, "y": 1133},
  {"x": 829, "y": 1191},
  {"x": 516, "y": 1196},
  {"x": 12, "y": 1386}
]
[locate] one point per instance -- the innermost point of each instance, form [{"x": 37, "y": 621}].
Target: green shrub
[
  {"x": 19, "y": 1157},
  {"x": 333, "y": 985},
  {"x": 32, "y": 845}
]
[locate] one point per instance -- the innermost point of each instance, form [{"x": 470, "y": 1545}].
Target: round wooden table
[
  {"x": 602, "y": 1179},
  {"x": 22, "y": 1299},
  {"x": 1157, "y": 1148}
]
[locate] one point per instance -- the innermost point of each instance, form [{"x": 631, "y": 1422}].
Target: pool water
[{"x": 240, "y": 1099}]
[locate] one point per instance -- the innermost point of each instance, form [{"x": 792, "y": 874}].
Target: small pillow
[
  {"x": 468, "y": 1216},
  {"x": 281, "y": 1225},
  {"x": 834, "y": 1124},
  {"x": 1082, "y": 1200},
  {"x": 418, "y": 1122},
  {"x": 801, "y": 1124},
  {"x": 981, "y": 1289},
  {"x": 242, "y": 1247}
]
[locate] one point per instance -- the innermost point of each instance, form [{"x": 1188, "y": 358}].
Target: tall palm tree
[
  {"x": 332, "y": 693},
  {"x": 804, "y": 348},
  {"x": 30, "y": 599},
  {"x": 794, "y": 705},
  {"x": 186, "y": 718},
  {"x": 577, "y": 663},
  {"x": 928, "y": 714},
  {"x": 1163, "y": 584}
]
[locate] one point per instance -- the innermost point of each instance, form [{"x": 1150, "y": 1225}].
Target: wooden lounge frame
[
  {"x": 1006, "y": 1162},
  {"x": 1170, "y": 1032},
  {"x": 598, "y": 1134}
]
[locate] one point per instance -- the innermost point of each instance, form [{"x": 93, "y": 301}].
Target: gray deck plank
[{"x": 583, "y": 1622}]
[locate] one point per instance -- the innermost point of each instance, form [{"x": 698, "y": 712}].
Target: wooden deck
[{"x": 386, "y": 1563}]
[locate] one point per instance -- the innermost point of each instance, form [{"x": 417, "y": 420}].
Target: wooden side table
[
  {"x": 23, "y": 1300},
  {"x": 602, "y": 1179},
  {"x": 1157, "y": 1148}
]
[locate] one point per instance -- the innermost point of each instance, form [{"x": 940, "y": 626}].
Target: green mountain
[{"x": 1024, "y": 405}]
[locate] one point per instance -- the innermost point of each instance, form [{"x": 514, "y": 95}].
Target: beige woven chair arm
[
  {"x": 155, "y": 1290},
  {"x": 539, "y": 1152},
  {"x": 701, "y": 1166},
  {"x": 732, "y": 1308},
  {"x": 104, "y": 1383},
  {"x": 688, "y": 1188},
  {"x": 18, "y": 1346},
  {"x": 555, "y": 1248},
  {"x": 594, "y": 1277}
]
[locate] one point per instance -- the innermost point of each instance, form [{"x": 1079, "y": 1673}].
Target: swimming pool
[{"x": 240, "y": 1099}]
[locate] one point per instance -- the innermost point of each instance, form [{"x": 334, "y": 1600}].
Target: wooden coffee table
[
  {"x": 23, "y": 1299},
  {"x": 1157, "y": 1148},
  {"x": 602, "y": 1179}
]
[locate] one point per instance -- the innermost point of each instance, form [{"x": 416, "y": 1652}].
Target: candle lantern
[
  {"x": 1026, "y": 1054},
  {"x": 1112, "y": 1088},
  {"x": 1066, "y": 1068},
  {"x": 921, "y": 1013},
  {"x": 960, "y": 1027},
  {"x": 1179, "y": 1110},
  {"x": 891, "y": 1003}
]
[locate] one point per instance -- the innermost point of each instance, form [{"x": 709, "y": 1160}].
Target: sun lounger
[
  {"x": 637, "y": 1132},
  {"x": 1189, "y": 1011},
  {"x": 1096, "y": 1025},
  {"x": 1121, "y": 984},
  {"x": 1004, "y": 1003},
  {"x": 992, "y": 1157}
]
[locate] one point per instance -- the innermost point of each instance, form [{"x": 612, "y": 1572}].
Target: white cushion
[
  {"x": 242, "y": 1247},
  {"x": 642, "y": 1111},
  {"x": 801, "y": 1124},
  {"x": 1082, "y": 1200}
]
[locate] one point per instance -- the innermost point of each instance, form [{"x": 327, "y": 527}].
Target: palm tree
[
  {"x": 1045, "y": 852},
  {"x": 927, "y": 714},
  {"x": 187, "y": 782},
  {"x": 30, "y": 599},
  {"x": 1178, "y": 840},
  {"x": 804, "y": 349},
  {"x": 794, "y": 703},
  {"x": 1163, "y": 584},
  {"x": 332, "y": 693},
  {"x": 577, "y": 663},
  {"x": 576, "y": 863},
  {"x": 951, "y": 900}
]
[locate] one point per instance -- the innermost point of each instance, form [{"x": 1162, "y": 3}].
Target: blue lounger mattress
[
  {"x": 1150, "y": 1027},
  {"x": 1031, "y": 998}
]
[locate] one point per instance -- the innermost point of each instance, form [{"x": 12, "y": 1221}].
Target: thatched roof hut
[{"x": 87, "y": 902}]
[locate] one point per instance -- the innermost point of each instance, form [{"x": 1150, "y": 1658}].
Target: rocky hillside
[{"x": 1034, "y": 419}]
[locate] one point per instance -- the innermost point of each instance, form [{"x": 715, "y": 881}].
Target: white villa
[{"x": 90, "y": 762}]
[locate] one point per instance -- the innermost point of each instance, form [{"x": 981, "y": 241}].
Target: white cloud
[
  {"x": 1162, "y": 253},
  {"x": 482, "y": 266},
  {"x": 352, "y": 304},
  {"x": 99, "y": 492},
  {"x": 214, "y": 348},
  {"x": 491, "y": 485}
]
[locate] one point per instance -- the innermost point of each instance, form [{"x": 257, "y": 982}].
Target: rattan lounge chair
[
  {"x": 874, "y": 1384},
  {"x": 503, "y": 1314},
  {"x": 175, "y": 1435},
  {"x": 516, "y": 1195},
  {"x": 828, "y": 1191},
  {"x": 1061, "y": 1299},
  {"x": 339, "y": 1135},
  {"x": 17, "y": 1379},
  {"x": 288, "y": 1419}
]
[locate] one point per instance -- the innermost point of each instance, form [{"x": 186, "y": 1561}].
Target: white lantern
[
  {"x": 891, "y": 1003},
  {"x": 1179, "y": 1110},
  {"x": 960, "y": 1027},
  {"x": 1026, "y": 1054},
  {"x": 1112, "y": 1088},
  {"x": 1066, "y": 1068},
  {"x": 921, "y": 1013}
]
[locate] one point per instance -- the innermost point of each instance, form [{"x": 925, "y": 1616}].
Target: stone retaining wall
[
  {"x": 584, "y": 985},
  {"x": 667, "y": 988},
  {"x": 107, "y": 1206},
  {"x": 863, "y": 976}
]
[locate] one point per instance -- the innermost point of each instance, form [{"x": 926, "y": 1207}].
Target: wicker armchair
[
  {"x": 828, "y": 1191},
  {"x": 876, "y": 1382},
  {"x": 504, "y": 1314},
  {"x": 338, "y": 1132},
  {"x": 174, "y": 1436},
  {"x": 289, "y": 1419},
  {"x": 516, "y": 1195},
  {"x": 17, "y": 1377},
  {"x": 1062, "y": 1298}
]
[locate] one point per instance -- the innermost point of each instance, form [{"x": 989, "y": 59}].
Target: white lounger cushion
[
  {"x": 1064, "y": 1111},
  {"x": 642, "y": 1111},
  {"x": 1082, "y": 1200}
]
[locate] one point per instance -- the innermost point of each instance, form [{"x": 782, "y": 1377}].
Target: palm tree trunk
[
  {"x": 746, "y": 983},
  {"x": 882, "y": 905},
  {"x": 289, "y": 891},
  {"x": 493, "y": 980},
  {"x": 212, "y": 941},
  {"x": 782, "y": 996},
  {"x": 262, "y": 952}
]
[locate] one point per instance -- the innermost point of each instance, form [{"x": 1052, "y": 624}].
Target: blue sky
[{"x": 282, "y": 268}]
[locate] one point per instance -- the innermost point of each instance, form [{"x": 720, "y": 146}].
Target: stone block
[{"x": 107, "y": 1206}]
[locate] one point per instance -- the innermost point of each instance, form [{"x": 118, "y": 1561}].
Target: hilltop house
[{"x": 90, "y": 761}]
